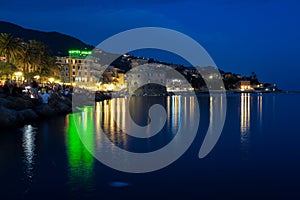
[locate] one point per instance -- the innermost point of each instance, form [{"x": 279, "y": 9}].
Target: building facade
[
  {"x": 78, "y": 68},
  {"x": 147, "y": 79}
]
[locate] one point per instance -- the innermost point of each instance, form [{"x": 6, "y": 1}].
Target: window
[
  {"x": 73, "y": 67},
  {"x": 73, "y": 73}
]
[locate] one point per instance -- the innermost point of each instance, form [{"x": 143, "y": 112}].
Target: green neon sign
[
  {"x": 86, "y": 52},
  {"x": 79, "y": 53}
]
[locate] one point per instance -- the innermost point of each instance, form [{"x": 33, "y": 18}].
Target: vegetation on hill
[{"x": 58, "y": 43}]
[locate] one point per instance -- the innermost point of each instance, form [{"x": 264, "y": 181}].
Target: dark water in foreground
[{"x": 257, "y": 155}]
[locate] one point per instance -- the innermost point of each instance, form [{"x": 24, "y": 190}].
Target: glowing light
[
  {"x": 80, "y": 160},
  {"x": 79, "y": 52},
  {"x": 18, "y": 74},
  {"x": 74, "y": 51},
  {"x": 110, "y": 87},
  {"x": 29, "y": 148},
  {"x": 51, "y": 80}
]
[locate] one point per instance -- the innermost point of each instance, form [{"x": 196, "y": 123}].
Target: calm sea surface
[{"x": 256, "y": 157}]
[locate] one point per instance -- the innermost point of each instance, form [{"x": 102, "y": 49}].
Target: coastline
[{"x": 17, "y": 111}]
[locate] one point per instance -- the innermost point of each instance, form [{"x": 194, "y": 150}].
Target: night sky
[{"x": 240, "y": 35}]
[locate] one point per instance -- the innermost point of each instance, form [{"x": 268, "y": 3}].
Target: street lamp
[
  {"x": 51, "y": 80},
  {"x": 18, "y": 75}
]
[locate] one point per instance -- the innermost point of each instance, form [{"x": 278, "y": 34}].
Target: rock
[
  {"x": 17, "y": 111},
  {"x": 60, "y": 104},
  {"x": 63, "y": 108},
  {"x": 26, "y": 116},
  {"x": 5, "y": 102},
  {"x": 45, "y": 110},
  {"x": 2, "y": 95},
  {"x": 8, "y": 117},
  {"x": 19, "y": 103}
]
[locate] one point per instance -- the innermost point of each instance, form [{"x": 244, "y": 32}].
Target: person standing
[{"x": 45, "y": 97}]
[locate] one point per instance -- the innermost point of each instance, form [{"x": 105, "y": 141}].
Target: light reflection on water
[
  {"x": 245, "y": 104},
  {"x": 28, "y": 144},
  {"x": 110, "y": 115},
  {"x": 77, "y": 172},
  {"x": 81, "y": 162},
  {"x": 248, "y": 102}
]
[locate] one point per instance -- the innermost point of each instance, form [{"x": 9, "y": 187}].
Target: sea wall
[{"x": 16, "y": 111}]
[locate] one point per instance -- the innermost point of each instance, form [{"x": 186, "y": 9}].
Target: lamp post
[
  {"x": 51, "y": 80},
  {"x": 18, "y": 76}
]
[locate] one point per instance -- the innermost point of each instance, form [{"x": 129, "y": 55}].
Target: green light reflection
[{"x": 81, "y": 162}]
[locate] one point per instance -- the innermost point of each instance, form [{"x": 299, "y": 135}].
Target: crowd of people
[{"x": 35, "y": 90}]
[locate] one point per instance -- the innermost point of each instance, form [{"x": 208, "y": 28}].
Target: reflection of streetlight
[{"x": 51, "y": 80}]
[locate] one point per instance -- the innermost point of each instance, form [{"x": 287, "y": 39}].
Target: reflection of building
[
  {"x": 245, "y": 112},
  {"x": 148, "y": 79},
  {"x": 81, "y": 161},
  {"x": 245, "y": 123}
]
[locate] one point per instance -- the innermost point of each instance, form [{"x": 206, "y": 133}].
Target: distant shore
[{"x": 17, "y": 111}]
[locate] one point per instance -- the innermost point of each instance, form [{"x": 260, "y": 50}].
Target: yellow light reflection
[{"x": 245, "y": 112}]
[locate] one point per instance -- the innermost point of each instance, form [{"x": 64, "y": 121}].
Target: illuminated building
[
  {"x": 147, "y": 79},
  {"x": 178, "y": 85},
  {"x": 76, "y": 68},
  {"x": 245, "y": 85}
]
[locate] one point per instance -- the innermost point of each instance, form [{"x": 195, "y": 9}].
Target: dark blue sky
[{"x": 241, "y": 36}]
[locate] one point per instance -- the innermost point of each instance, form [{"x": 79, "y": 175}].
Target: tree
[
  {"x": 10, "y": 47},
  {"x": 254, "y": 79},
  {"x": 24, "y": 59},
  {"x": 7, "y": 69}
]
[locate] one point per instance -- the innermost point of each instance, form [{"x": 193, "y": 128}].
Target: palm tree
[
  {"x": 10, "y": 47},
  {"x": 38, "y": 53},
  {"x": 48, "y": 68},
  {"x": 42, "y": 60},
  {"x": 24, "y": 58},
  {"x": 7, "y": 69}
]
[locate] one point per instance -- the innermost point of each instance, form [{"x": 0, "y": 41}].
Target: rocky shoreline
[{"x": 17, "y": 111}]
